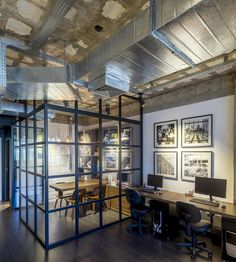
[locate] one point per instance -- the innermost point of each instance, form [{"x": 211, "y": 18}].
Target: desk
[
  {"x": 228, "y": 213},
  {"x": 68, "y": 186},
  {"x": 172, "y": 198}
]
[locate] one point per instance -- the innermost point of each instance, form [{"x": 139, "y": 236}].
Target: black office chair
[
  {"x": 193, "y": 223},
  {"x": 138, "y": 209}
]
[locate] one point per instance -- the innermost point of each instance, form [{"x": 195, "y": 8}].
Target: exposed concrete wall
[{"x": 206, "y": 90}]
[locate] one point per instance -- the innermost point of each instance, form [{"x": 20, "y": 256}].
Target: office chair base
[
  {"x": 195, "y": 249},
  {"x": 136, "y": 225}
]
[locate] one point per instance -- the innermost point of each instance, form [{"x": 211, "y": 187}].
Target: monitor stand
[
  {"x": 155, "y": 189},
  {"x": 203, "y": 201}
]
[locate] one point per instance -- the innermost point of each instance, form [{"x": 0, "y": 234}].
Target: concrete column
[{"x": 234, "y": 181}]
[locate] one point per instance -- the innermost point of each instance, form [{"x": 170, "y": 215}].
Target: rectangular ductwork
[
  {"x": 108, "y": 86},
  {"x": 122, "y": 55},
  {"x": 11, "y": 108},
  {"x": 166, "y": 38}
]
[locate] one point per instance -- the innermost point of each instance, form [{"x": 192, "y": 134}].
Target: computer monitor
[
  {"x": 124, "y": 177},
  {"x": 155, "y": 181},
  {"x": 210, "y": 186}
]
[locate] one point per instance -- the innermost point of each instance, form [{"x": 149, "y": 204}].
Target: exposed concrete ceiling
[{"x": 76, "y": 35}]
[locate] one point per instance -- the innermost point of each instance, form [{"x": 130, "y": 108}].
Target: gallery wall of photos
[{"x": 194, "y": 148}]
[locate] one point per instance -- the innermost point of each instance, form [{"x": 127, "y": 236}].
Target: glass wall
[{"x": 73, "y": 168}]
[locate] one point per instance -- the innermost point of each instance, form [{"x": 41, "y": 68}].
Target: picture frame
[
  {"x": 197, "y": 131},
  {"x": 166, "y": 164},
  {"x": 110, "y": 159},
  {"x": 111, "y": 136},
  {"x": 196, "y": 164},
  {"x": 166, "y": 134}
]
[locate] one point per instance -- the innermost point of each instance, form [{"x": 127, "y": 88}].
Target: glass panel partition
[{"x": 74, "y": 166}]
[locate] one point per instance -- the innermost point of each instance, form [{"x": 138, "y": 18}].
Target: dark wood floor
[{"x": 110, "y": 244}]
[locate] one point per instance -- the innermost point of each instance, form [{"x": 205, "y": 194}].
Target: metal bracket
[
  {"x": 163, "y": 39},
  {"x": 3, "y": 68}
]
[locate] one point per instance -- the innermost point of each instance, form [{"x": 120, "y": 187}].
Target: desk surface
[
  {"x": 172, "y": 198},
  {"x": 67, "y": 186}
]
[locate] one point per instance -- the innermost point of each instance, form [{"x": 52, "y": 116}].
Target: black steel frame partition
[{"x": 28, "y": 202}]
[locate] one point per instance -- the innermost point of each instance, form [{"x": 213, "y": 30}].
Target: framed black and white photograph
[
  {"x": 197, "y": 131},
  {"x": 196, "y": 164},
  {"x": 165, "y": 164},
  {"x": 166, "y": 134}
]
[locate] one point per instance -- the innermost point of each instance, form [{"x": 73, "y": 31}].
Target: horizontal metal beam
[{"x": 20, "y": 75}]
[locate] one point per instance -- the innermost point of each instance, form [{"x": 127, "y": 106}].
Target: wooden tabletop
[
  {"x": 67, "y": 186},
  {"x": 172, "y": 198}
]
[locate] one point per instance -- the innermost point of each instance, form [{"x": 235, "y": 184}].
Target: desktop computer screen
[
  {"x": 210, "y": 186},
  {"x": 124, "y": 177},
  {"x": 155, "y": 181}
]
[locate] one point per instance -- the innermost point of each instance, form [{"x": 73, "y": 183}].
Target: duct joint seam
[{"x": 163, "y": 39}]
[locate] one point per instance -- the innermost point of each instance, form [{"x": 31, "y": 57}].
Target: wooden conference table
[{"x": 69, "y": 186}]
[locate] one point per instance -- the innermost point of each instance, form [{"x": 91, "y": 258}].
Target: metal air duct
[{"x": 166, "y": 38}]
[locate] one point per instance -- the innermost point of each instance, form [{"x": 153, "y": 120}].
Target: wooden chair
[
  {"x": 61, "y": 196},
  {"x": 95, "y": 195},
  {"x": 71, "y": 200}
]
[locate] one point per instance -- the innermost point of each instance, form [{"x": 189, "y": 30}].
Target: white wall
[{"x": 223, "y": 121}]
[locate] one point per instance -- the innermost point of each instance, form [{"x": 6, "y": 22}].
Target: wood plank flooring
[{"x": 113, "y": 244}]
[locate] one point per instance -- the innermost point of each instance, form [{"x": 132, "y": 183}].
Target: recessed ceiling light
[{"x": 98, "y": 28}]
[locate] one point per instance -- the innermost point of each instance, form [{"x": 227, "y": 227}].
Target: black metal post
[
  {"x": 76, "y": 172},
  {"x": 20, "y": 204},
  {"x": 120, "y": 156},
  {"x": 141, "y": 144},
  {"x": 26, "y": 169},
  {"x": 100, "y": 164},
  {"x": 35, "y": 169},
  {"x": 46, "y": 174}
]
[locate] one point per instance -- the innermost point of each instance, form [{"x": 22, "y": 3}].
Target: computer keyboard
[
  {"x": 204, "y": 202},
  {"x": 148, "y": 190}
]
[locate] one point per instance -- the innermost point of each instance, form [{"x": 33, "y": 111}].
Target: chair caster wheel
[
  {"x": 193, "y": 256},
  {"x": 210, "y": 255}
]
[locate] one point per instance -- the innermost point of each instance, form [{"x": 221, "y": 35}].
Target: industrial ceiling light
[{"x": 141, "y": 100}]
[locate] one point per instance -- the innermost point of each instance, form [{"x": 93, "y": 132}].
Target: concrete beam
[{"x": 206, "y": 90}]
